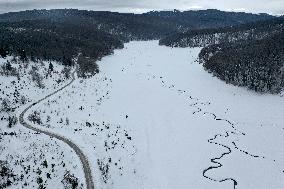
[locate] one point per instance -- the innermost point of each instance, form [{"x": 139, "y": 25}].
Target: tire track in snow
[{"x": 78, "y": 151}]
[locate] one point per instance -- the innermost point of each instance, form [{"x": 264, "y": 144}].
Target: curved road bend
[{"x": 79, "y": 152}]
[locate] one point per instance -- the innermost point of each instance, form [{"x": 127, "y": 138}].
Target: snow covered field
[
  {"x": 154, "y": 119},
  {"x": 29, "y": 159}
]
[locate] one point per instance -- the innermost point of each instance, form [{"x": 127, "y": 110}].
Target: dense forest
[
  {"x": 53, "y": 41},
  {"x": 63, "y": 34},
  {"x": 248, "y": 55},
  {"x": 256, "y": 64},
  {"x": 151, "y": 25},
  {"x": 210, "y": 36}
]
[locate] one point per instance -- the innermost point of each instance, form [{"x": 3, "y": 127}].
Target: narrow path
[{"x": 79, "y": 152}]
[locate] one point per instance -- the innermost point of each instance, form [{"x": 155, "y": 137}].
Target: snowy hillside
[
  {"x": 30, "y": 159},
  {"x": 151, "y": 119}
]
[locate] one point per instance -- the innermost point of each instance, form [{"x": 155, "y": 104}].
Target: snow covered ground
[
  {"x": 154, "y": 119},
  {"x": 29, "y": 159}
]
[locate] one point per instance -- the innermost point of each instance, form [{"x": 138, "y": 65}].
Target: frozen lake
[
  {"x": 161, "y": 122},
  {"x": 161, "y": 90}
]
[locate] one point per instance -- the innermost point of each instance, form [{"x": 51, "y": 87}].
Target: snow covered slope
[
  {"x": 30, "y": 159},
  {"x": 153, "y": 118}
]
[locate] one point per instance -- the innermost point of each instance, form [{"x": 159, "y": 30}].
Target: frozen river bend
[{"x": 154, "y": 119}]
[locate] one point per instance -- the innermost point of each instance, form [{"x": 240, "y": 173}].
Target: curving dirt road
[{"x": 79, "y": 152}]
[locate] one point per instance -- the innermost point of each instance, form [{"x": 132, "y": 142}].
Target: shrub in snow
[
  {"x": 35, "y": 118},
  {"x": 66, "y": 72},
  {"x": 44, "y": 164},
  {"x": 50, "y": 67},
  {"x": 36, "y": 77},
  {"x": 12, "y": 120},
  {"x": 23, "y": 100},
  {"x": 88, "y": 124},
  {"x": 61, "y": 120},
  {"x": 6, "y": 105},
  {"x": 6, "y": 175},
  {"x": 48, "y": 118},
  {"x": 40, "y": 182},
  {"x": 70, "y": 181},
  {"x": 104, "y": 168},
  {"x": 67, "y": 121},
  {"x": 8, "y": 70}
]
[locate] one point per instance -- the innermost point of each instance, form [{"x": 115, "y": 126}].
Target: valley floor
[{"x": 154, "y": 119}]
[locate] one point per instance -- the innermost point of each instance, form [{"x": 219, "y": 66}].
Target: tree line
[
  {"x": 211, "y": 36},
  {"x": 249, "y": 55},
  {"x": 62, "y": 34},
  {"x": 151, "y": 25},
  {"x": 256, "y": 64}
]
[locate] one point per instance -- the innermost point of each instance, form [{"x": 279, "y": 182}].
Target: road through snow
[{"x": 79, "y": 152}]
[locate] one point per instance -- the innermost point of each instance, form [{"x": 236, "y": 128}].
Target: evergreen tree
[
  {"x": 3, "y": 53},
  {"x": 50, "y": 67}
]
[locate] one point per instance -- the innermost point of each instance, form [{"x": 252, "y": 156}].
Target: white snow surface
[
  {"x": 23, "y": 150},
  {"x": 153, "y": 119}
]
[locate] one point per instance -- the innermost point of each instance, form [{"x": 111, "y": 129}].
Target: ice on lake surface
[{"x": 155, "y": 119}]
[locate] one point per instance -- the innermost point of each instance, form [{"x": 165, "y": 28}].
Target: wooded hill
[
  {"x": 248, "y": 55},
  {"x": 64, "y": 33},
  {"x": 256, "y": 64},
  {"x": 151, "y": 25},
  {"x": 54, "y": 41},
  {"x": 205, "y": 37}
]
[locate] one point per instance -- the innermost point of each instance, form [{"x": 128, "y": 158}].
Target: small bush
[
  {"x": 6, "y": 105},
  {"x": 8, "y": 70},
  {"x": 104, "y": 168},
  {"x": 66, "y": 72},
  {"x": 12, "y": 120},
  {"x": 6, "y": 175},
  {"x": 36, "y": 77},
  {"x": 35, "y": 118},
  {"x": 70, "y": 181}
]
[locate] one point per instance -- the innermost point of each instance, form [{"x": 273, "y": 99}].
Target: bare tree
[
  {"x": 66, "y": 72},
  {"x": 6, "y": 105},
  {"x": 36, "y": 77}
]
